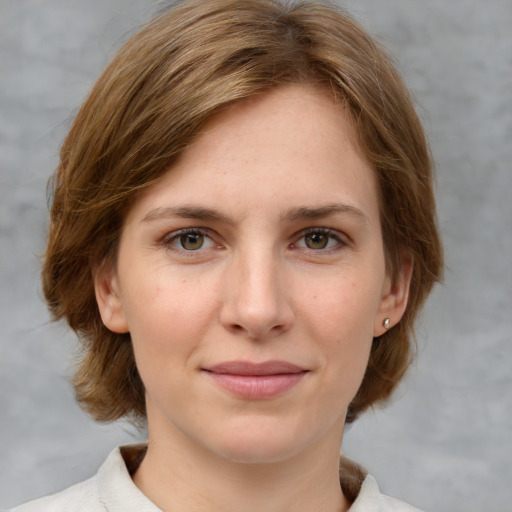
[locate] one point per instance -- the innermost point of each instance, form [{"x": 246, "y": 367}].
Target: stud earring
[{"x": 386, "y": 323}]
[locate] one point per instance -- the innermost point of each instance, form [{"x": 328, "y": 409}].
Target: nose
[{"x": 256, "y": 297}]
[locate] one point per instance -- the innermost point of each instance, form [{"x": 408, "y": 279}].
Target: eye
[
  {"x": 189, "y": 240},
  {"x": 319, "y": 239},
  {"x": 316, "y": 240}
]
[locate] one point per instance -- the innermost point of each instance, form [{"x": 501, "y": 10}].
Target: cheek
[
  {"x": 339, "y": 315},
  {"x": 340, "y": 310},
  {"x": 167, "y": 316}
]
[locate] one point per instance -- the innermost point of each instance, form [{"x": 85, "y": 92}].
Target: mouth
[{"x": 254, "y": 381}]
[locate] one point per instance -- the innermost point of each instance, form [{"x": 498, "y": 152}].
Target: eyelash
[
  {"x": 169, "y": 240},
  {"x": 331, "y": 234}
]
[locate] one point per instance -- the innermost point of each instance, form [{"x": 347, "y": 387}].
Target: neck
[{"x": 180, "y": 476}]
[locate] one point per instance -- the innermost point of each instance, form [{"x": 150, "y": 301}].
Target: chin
[
  {"x": 257, "y": 454},
  {"x": 253, "y": 445}
]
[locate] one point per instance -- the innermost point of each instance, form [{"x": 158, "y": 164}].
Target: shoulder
[
  {"x": 111, "y": 489},
  {"x": 80, "y": 497},
  {"x": 370, "y": 499},
  {"x": 362, "y": 489}
]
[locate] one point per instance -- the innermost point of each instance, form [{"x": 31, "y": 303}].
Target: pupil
[
  {"x": 192, "y": 242},
  {"x": 316, "y": 241}
]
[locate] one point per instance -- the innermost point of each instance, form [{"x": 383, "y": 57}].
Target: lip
[{"x": 254, "y": 381}]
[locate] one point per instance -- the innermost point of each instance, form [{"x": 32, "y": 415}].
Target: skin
[{"x": 267, "y": 184}]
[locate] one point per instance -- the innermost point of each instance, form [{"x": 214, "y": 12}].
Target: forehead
[
  {"x": 282, "y": 117},
  {"x": 293, "y": 145}
]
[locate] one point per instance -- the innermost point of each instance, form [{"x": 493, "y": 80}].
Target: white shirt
[{"x": 112, "y": 490}]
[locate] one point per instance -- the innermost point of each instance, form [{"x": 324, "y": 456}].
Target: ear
[
  {"x": 111, "y": 309},
  {"x": 395, "y": 295}
]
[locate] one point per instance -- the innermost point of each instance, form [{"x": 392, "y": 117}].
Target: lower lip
[{"x": 257, "y": 386}]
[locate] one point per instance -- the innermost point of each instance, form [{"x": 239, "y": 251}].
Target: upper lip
[{"x": 255, "y": 369}]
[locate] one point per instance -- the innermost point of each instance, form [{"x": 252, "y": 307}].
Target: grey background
[{"x": 445, "y": 443}]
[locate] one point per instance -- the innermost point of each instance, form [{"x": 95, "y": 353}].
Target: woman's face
[{"x": 252, "y": 281}]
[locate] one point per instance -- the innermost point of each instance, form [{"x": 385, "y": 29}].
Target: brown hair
[{"x": 150, "y": 103}]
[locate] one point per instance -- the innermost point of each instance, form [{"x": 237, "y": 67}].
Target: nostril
[{"x": 237, "y": 328}]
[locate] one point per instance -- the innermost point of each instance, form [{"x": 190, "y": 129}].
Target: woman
[{"x": 242, "y": 233}]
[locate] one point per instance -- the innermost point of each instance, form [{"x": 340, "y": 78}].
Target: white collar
[{"x": 118, "y": 493}]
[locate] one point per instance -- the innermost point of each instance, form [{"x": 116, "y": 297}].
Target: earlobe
[
  {"x": 109, "y": 301},
  {"x": 394, "y": 299}
]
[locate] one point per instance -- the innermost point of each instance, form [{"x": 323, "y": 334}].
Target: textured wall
[{"x": 445, "y": 443}]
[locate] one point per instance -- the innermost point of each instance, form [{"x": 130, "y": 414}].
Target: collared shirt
[{"x": 112, "y": 490}]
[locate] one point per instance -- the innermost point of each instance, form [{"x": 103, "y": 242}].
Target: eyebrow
[
  {"x": 294, "y": 214},
  {"x": 186, "y": 212},
  {"x": 320, "y": 212}
]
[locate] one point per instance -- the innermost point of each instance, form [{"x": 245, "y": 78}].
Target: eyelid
[
  {"x": 342, "y": 240},
  {"x": 167, "y": 240},
  {"x": 168, "y": 237}
]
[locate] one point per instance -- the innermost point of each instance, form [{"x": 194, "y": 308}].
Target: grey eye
[
  {"x": 191, "y": 241},
  {"x": 316, "y": 240}
]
